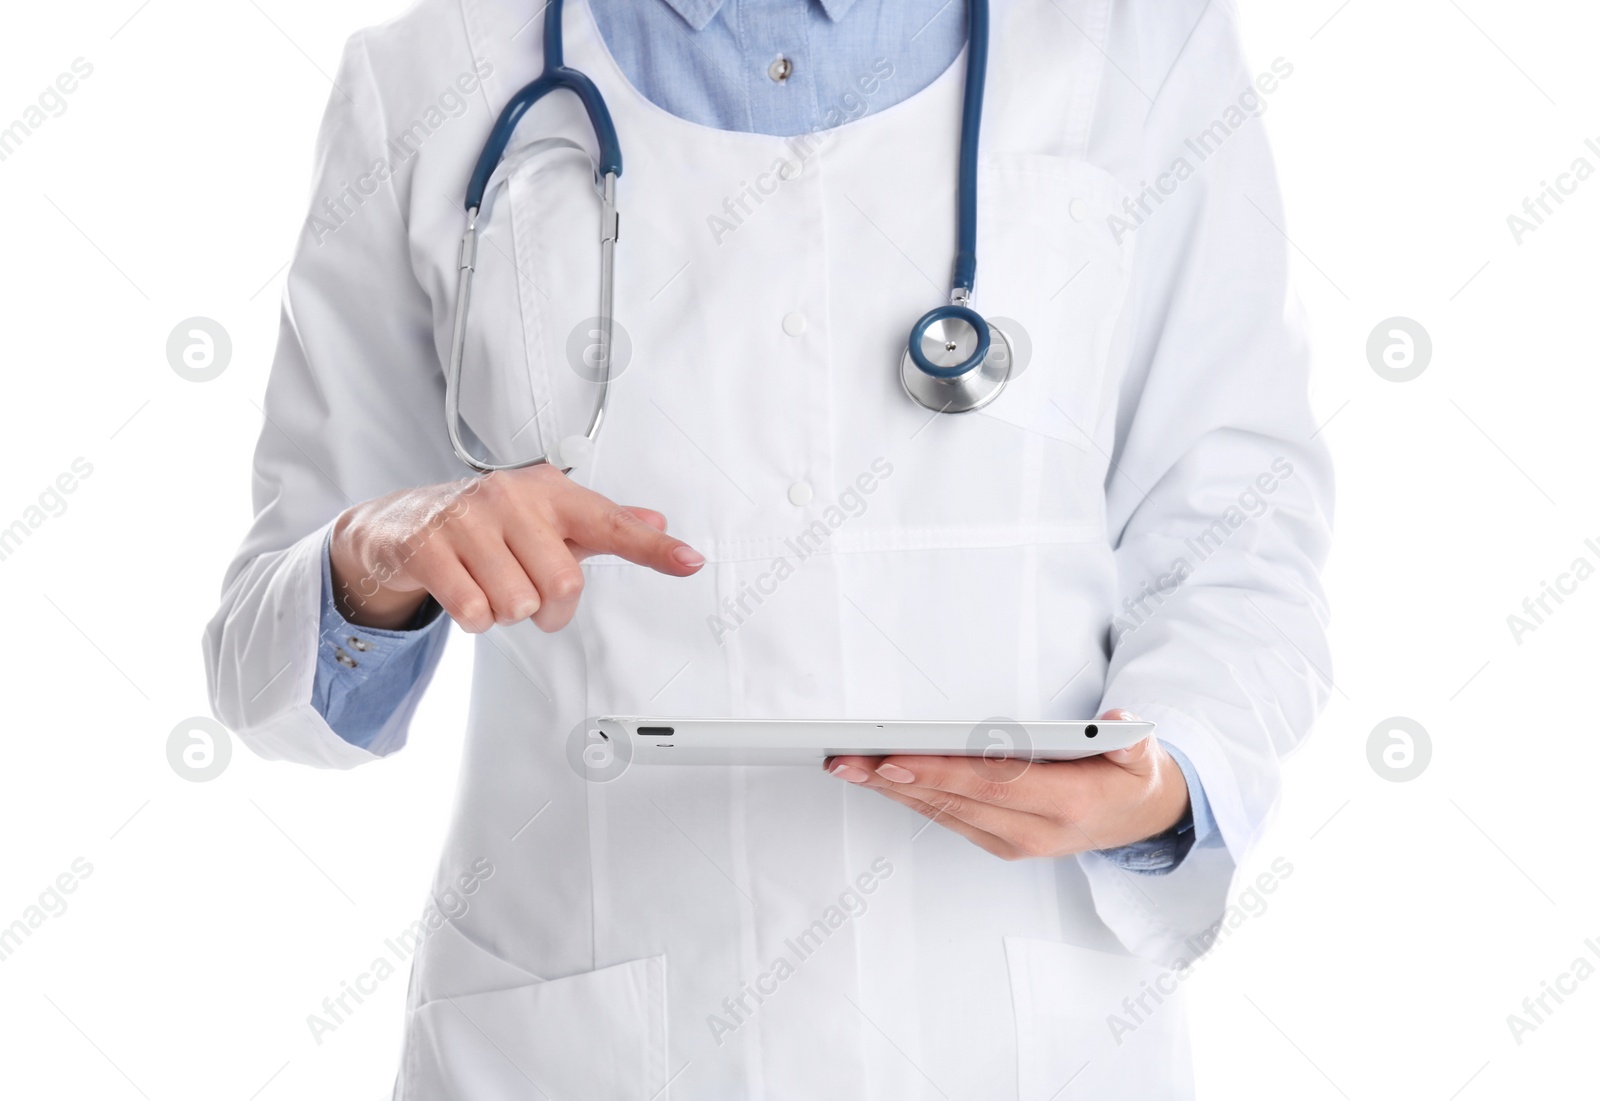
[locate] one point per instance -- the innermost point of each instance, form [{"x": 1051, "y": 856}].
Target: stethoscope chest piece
[{"x": 955, "y": 361}]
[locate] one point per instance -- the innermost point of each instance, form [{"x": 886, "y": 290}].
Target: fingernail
[
  {"x": 851, "y": 773},
  {"x": 894, "y": 773},
  {"x": 688, "y": 556}
]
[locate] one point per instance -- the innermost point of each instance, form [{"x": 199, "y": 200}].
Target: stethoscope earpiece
[{"x": 955, "y": 361}]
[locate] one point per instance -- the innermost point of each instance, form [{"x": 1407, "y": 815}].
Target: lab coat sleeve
[
  {"x": 1219, "y": 497},
  {"x": 352, "y": 411}
]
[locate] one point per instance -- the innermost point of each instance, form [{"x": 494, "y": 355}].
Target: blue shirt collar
[{"x": 697, "y": 13}]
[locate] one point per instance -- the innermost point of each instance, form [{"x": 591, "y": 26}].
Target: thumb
[{"x": 1137, "y": 757}]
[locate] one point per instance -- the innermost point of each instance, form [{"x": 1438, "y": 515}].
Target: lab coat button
[
  {"x": 800, "y": 494},
  {"x": 780, "y": 69},
  {"x": 1077, "y": 210},
  {"x": 794, "y": 324},
  {"x": 344, "y": 658},
  {"x": 358, "y": 643}
]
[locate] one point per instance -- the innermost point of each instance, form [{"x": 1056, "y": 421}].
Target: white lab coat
[{"x": 1091, "y": 539}]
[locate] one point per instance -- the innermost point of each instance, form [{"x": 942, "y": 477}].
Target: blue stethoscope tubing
[
  {"x": 966, "y": 268},
  {"x": 480, "y": 192},
  {"x": 954, "y": 361},
  {"x": 556, "y": 75}
]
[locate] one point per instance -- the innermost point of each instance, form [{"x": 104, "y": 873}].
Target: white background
[{"x": 219, "y": 915}]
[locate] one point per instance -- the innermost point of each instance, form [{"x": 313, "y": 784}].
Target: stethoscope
[{"x": 954, "y": 362}]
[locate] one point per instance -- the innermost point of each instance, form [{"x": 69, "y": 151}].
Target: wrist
[{"x": 1169, "y": 802}]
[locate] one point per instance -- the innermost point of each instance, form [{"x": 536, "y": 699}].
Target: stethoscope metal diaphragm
[{"x": 955, "y": 361}]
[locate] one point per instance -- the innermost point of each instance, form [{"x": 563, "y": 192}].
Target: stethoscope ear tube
[
  {"x": 458, "y": 350},
  {"x": 488, "y": 174},
  {"x": 568, "y": 450},
  {"x": 610, "y": 150}
]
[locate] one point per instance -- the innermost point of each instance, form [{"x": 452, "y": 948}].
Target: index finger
[{"x": 603, "y": 527}]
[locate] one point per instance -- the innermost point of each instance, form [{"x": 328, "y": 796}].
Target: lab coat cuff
[
  {"x": 266, "y": 697},
  {"x": 1160, "y": 854},
  {"x": 1205, "y": 766},
  {"x": 1164, "y": 917},
  {"x": 1203, "y": 820}
]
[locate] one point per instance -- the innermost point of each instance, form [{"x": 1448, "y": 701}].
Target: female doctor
[{"x": 1132, "y": 519}]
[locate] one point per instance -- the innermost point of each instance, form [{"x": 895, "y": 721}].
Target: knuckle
[
  {"x": 619, "y": 521},
  {"x": 424, "y": 555},
  {"x": 449, "y": 596},
  {"x": 510, "y": 607},
  {"x": 491, "y": 489},
  {"x": 565, "y": 584},
  {"x": 546, "y": 479},
  {"x": 550, "y": 623},
  {"x": 472, "y": 612}
]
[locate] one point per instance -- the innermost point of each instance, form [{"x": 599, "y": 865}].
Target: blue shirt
[{"x": 781, "y": 67}]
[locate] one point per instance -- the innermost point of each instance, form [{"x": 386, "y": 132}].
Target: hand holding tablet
[
  {"x": 1045, "y": 788},
  {"x": 1041, "y": 808}
]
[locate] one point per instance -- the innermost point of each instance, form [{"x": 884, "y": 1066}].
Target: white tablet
[{"x": 662, "y": 741}]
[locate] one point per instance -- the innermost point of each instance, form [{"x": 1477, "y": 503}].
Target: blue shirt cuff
[
  {"x": 1161, "y": 854},
  {"x": 367, "y": 675}
]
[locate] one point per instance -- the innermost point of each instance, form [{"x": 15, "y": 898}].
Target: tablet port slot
[{"x": 655, "y": 731}]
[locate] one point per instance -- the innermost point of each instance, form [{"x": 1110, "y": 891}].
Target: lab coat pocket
[
  {"x": 1056, "y": 278},
  {"x": 1093, "y": 1024},
  {"x": 600, "y": 1035}
]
